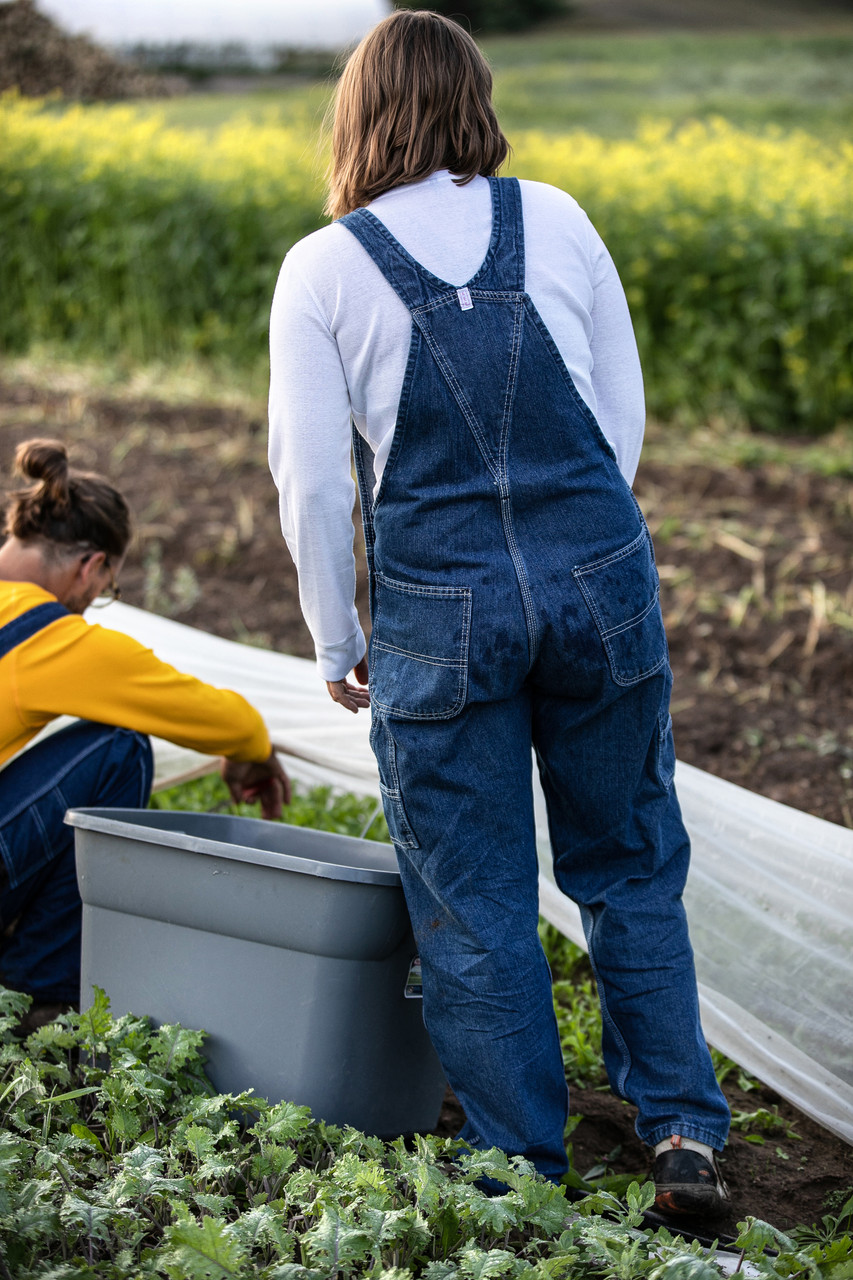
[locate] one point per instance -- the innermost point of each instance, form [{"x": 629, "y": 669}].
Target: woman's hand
[
  {"x": 263, "y": 780},
  {"x": 349, "y": 695}
]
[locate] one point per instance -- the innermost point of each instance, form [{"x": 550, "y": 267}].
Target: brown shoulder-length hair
[{"x": 415, "y": 96}]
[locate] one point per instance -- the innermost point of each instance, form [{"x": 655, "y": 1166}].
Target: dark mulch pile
[
  {"x": 758, "y": 592},
  {"x": 37, "y": 58}
]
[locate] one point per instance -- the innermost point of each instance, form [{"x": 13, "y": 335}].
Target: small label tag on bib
[{"x": 464, "y": 297}]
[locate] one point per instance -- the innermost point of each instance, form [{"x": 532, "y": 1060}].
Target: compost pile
[{"x": 38, "y": 58}]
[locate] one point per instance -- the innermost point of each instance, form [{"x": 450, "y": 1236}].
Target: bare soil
[
  {"x": 758, "y": 593},
  {"x": 789, "y": 1175}
]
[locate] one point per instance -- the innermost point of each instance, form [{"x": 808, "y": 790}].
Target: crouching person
[{"x": 67, "y": 532}]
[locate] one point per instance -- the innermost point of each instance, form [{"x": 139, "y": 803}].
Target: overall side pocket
[
  {"x": 621, "y": 591},
  {"x": 385, "y": 749},
  {"x": 419, "y": 649}
]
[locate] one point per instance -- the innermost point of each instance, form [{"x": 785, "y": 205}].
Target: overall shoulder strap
[
  {"x": 28, "y": 624},
  {"x": 412, "y": 283},
  {"x": 503, "y": 268}
]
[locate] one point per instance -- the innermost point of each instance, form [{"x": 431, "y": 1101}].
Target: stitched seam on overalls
[
  {"x": 624, "y": 682},
  {"x": 511, "y": 381},
  {"x": 459, "y": 664},
  {"x": 394, "y": 794},
  {"x": 421, "y": 657},
  {"x": 615, "y": 1031},
  {"x": 633, "y": 622},
  {"x": 601, "y": 622},
  {"x": 607, "y": 633},
  {"x": 358, "y": 448},
  {"x": 642, "y": 675},
  {"x": 614, "y": 556},
  {"x": 406, "y": 714},
  {"x": 424, "y": 588},
  {"x": 477, "y": 295},
  {"x": 462, "y": 401},
  {"x": 606, "y": 636},
  {"x": 372, "y": 228},
  {"x": 576, "y": 396},
  {"x": 506, "y": 497}
]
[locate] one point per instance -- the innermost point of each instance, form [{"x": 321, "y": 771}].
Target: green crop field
[
  {"x": 718, "y": 168},
  {"x": 607, "y": 84}
]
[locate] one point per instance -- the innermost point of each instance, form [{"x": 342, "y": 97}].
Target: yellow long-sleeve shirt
[{"x": 73, "y": 668}]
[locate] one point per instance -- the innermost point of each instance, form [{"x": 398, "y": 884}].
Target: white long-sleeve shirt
[{"x": 339, "y": 342}]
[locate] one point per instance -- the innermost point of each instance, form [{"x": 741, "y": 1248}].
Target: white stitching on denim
[
  {"x": 607, "y": 633},
  {"x": 580, "y": 403},
  {"x": 512, "y": 377},
  {"x": 462, "y": 401},
  {"x": 506, "y": 501},
  {"x": 406, "y": 826},
  {"x": 632, "y": 622},
  {"x": 619, "y": 1039},
  {"x": 619, "y": 677},
  {"x": 460, "y": 664},
  {"x": 423, "y": 588},
  {"x": 450, "y": 377},
  {"x": 418, "y": 657},
  {"x": 478, "y": 295},
  {"x": 614, "y": 556}
]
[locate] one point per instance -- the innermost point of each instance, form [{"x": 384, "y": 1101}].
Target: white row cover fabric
[{"x": 769, "y": 899}]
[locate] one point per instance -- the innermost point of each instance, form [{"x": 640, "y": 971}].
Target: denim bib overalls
[
  {"x": 81, "y": 765},
  {"x": 514, "y": 601}
]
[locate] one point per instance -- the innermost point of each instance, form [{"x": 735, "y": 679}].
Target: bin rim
[{"x": 107, "y": 822}]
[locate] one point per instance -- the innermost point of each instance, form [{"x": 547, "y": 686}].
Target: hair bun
[
  {"x": 45, "y": 460},
  {"x": 64, "y": 505}
]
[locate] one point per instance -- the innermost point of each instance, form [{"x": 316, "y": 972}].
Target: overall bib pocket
[
  {"x": 419, "y": 649},
  {"x": 621, "y": 591}
]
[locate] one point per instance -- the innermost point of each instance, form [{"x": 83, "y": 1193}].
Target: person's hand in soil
[
  {"x": 349, "y": 695},
  {"x": 261, "y": 780}
]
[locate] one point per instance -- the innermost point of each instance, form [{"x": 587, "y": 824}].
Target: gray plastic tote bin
[{"x": 290, "y": 947}]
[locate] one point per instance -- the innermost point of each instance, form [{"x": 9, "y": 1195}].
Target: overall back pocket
[
  {"x": 621, "y": 591},
  {"x": 419, "y": 649}
]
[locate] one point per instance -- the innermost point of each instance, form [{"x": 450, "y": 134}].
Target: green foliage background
[
  {"x": 139, "y": 237},
  {"x": 117, "y": 1160},
  {"x": 493, "y": 15}
]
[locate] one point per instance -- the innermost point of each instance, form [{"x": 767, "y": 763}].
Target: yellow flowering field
[
  {"x": 736, "y": 252},
  {"x": 736, "y": 248}
]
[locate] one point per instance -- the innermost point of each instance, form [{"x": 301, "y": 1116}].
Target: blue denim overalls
[
  {"x": 84, "y": 764},
  {"x": 514, "y": 601}
]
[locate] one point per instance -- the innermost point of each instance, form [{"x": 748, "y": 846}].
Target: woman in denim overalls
[{"x": 514, "y": 604}]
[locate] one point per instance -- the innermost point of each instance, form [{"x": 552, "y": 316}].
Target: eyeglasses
[{"x": 113, "y": 591}]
